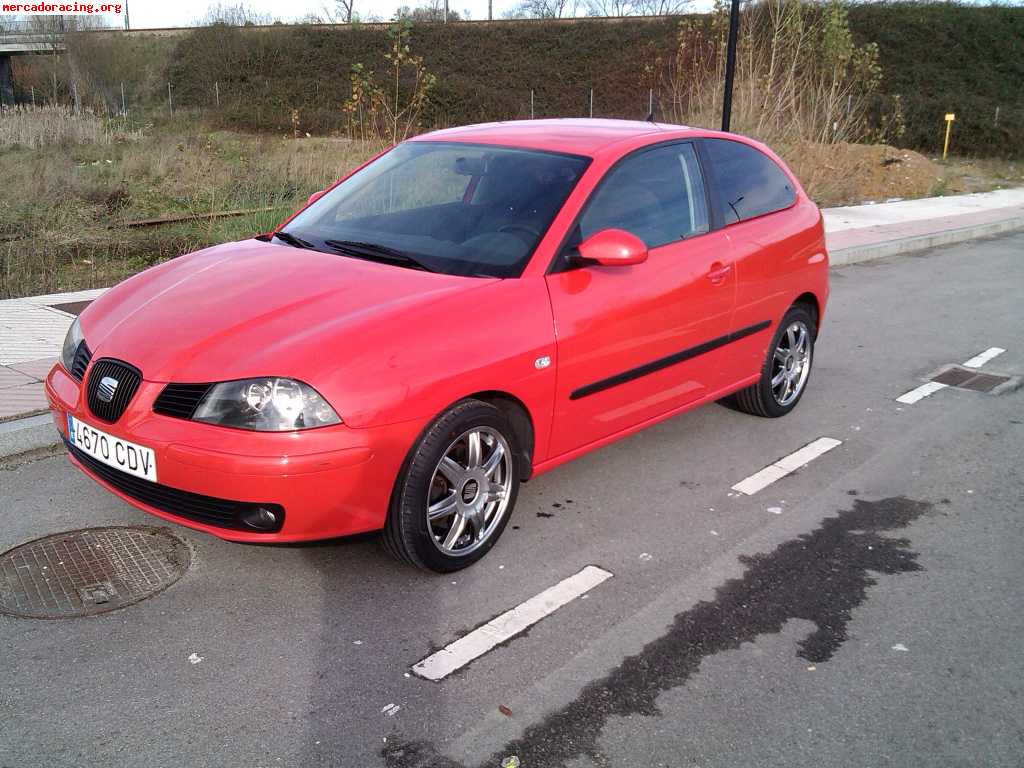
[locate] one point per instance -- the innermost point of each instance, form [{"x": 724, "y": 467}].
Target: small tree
[{"x": 385, "y": 114}]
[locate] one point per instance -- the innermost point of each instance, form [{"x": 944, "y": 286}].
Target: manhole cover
[
  {"x": 965, "y": 378},
  {"x": 95, "y": 570}
]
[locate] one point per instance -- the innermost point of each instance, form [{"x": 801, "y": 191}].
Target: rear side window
[
  {"x": 749, "y": 182},
  {"x": 656, "y": 194}
]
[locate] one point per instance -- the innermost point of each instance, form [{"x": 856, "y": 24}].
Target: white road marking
[
  {"x": 482, "y": 639},
  {"x": 786, "y": 466},
  {"x": 911, "y": 397},
  {"x": 980, "y": 359}
]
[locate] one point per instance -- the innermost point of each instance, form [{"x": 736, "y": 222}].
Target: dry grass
[
  {"x": 57, "y": 125},
  {"x": 845, "y": 174},
  {"x": 63, "y": 210}
]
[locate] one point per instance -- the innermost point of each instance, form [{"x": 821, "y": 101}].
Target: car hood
[{"x": 254, "y": 309}]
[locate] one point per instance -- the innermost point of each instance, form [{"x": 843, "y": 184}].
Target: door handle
[{"x": 719, "y": 272}]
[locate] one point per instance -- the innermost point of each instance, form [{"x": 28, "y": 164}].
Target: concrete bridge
[{"x": 21, "y": 38}]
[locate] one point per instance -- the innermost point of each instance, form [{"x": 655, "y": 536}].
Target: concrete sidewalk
[
  {"x": 32, "y": 329},
  {"x": 864, "y": 232}
]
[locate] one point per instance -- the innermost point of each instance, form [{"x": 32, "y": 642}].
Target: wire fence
[{"x": 221, "y": 102}]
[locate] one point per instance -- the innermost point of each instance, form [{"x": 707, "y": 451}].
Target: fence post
[
  {"x": 33, "y": 89},
  {"x": 531, "y": 103},
  {"x": 216, "y": 91},
  {"x": 591, "y": 102},
  {"x": 124, "y": 104},
  {"x": 996, "y": 121},
  {"x": 650, "y": 103},
  {"x": 170, "y": 102},
  {"x": 74, "y": 93}
]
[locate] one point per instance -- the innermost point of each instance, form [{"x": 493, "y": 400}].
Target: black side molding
[{"x": 665, "y": 362}]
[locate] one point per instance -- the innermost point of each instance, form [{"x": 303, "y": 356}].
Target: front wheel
[
  {"x": 787, "y": 368},
  {"x": 456, "y": 490}
]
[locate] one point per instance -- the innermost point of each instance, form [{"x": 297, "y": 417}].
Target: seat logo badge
[
  {"x": 542, "y": 362},
  {"x": 105, "y": 391}
]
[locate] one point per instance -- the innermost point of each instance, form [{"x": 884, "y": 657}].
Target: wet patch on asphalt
[{"x": 820, "y": 577}]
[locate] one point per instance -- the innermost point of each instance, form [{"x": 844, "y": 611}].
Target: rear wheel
[
  {"x": 787, "y": 368},
  {"x": 456, "y": 491}
]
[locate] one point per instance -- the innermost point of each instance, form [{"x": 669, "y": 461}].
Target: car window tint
[
  {"x": 749, "y": 182},
  {"x": 657, "y": 195}
]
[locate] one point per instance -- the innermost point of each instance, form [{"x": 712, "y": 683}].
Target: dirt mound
[{"x": 845, "y": 174}]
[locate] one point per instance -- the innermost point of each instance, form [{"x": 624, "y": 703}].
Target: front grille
[
  {"x": 181, "y": 400},
  {"x": 127, "y": 380},
  {"x": 82, "y": 357},
  {"x": 209, "y": 510}
]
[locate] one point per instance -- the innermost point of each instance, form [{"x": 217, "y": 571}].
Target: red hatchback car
[{"x": 470, "y": 308}]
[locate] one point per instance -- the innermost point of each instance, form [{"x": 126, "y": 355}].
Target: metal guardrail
[
  {"x": 42, "y": 26},
  {"x": 34, "y": 36}
]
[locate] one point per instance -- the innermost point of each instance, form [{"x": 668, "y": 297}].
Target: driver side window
[{"x": 656, "y": 194}]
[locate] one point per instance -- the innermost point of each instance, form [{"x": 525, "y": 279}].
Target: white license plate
[{"x": 128, "y": 457}]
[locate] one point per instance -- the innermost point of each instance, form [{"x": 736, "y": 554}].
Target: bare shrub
[{"x": 799, "y": 74}]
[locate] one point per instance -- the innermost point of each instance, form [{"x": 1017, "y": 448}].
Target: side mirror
[
  {"x": 614, "y": 248},
  {"x": 315, "y": 196}
]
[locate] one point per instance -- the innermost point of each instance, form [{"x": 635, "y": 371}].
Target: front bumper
[{"x": 332, "y": 481}]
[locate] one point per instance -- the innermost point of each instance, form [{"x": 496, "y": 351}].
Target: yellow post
[{"x": 950, "y": 117}]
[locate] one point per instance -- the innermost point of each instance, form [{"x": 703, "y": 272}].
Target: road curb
[
  {"x": 860, "y": 253},
  {"x": 27, "y": 434}
]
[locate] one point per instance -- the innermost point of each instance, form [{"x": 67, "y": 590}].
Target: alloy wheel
[
  {"x": 469, "y": 491},
  {"x": 791, "y": 363}
]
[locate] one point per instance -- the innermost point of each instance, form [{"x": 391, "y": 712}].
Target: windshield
[{"x": 461, "y": 209}]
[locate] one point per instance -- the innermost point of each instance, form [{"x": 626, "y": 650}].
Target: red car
[{"x": 467, "y": 310}]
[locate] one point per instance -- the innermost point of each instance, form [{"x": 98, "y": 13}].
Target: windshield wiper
[
  {"x": 292, "y": 240},
  {"x": 374, "y": 252}
]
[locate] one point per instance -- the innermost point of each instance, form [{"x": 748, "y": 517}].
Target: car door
[
  {"x": 637, "y": 341},
  {"x": 767, "y": 241}
]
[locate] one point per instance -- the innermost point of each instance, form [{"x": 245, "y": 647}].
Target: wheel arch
[
  {"x": 810, "y": 300},
  {"x": 521, "y": 420}
]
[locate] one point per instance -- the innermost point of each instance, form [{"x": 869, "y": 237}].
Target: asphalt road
[{"x": 864, "y": 611}]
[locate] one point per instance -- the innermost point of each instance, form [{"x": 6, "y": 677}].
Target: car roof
[{"x": 579, "y": 136}]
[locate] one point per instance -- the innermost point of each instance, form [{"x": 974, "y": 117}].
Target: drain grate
[
  {"x": 965, "y": 378},
  {"x": 95, "y": 570},
  {"x": 984, "y": 382}
]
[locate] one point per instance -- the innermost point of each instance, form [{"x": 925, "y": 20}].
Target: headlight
[
  {"x": 265, "y": 405},
  {"x": 71, "y": 342}
]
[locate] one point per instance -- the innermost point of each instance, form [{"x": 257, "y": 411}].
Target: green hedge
[
  {"x": 484, "y": 71},
  {"x": 938, "y": 57},
  {"x": 945, "y": 57}
]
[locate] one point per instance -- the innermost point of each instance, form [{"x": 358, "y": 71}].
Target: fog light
[{"x": 261, "y": 518}]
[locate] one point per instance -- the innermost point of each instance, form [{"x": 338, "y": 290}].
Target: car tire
[
  {"x": 444, "y": 484},
  {"x": 770, "y": 397}
]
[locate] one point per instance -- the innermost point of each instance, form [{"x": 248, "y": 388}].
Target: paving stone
[
  {"x": 12, "y": 378},
  {"x": 37, "y": 369},
  {"x": 22, "y": 400}
]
